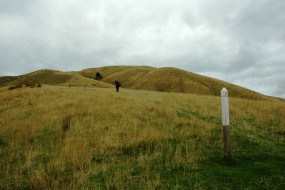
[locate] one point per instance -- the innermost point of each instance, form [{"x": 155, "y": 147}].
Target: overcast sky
[{"x": 238, "y": 41}]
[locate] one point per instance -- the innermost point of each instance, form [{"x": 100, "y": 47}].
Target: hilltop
[{"x": 165, "y": 79}]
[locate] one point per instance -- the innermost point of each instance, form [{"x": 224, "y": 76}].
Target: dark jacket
[{"x": 117, "y": 83}]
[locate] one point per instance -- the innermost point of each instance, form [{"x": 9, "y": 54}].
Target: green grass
[{"x": 137, "y": 140}]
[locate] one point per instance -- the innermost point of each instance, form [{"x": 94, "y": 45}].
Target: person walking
[{"x": 118, "y": 85}]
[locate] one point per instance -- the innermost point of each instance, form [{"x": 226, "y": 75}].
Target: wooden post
[{"x": 226, "y": 123}]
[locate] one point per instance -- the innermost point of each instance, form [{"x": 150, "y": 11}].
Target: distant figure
[{"x": 118, "y": 85}]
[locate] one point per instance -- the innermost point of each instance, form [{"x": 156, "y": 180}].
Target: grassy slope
[
  {"x": 136, "y": 140},
  {"x": 53, "y": 77},
  {"x": 169, "y": 80},
  {"x": 78, "y": 80},
  {"x": 45, "y": 77},
  {"x": 138, "y": 77},
  {"x": 127, "y": 75},
  {"x": 7, "y": 79}
]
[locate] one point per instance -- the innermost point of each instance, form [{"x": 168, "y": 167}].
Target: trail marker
[{"x": 226, "y": 123}]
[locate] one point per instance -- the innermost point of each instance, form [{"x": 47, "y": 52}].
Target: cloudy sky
[{"x": 239, "y": 41}]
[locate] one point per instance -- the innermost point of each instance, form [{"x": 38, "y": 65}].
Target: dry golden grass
[
  {"x": 128, "y": 140},
  {"x": 52, "y": 77},
  {"x": 78, "y": 80},
  {"x": 137, "y": 77},
  {"x": 44, "y": 77},
  {"x": 168, "y": 80}
]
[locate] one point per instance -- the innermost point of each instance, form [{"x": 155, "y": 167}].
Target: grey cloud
[
  {"x": 261, "y": 21},
  {"x": 280, "y": 90},
  {"x": 238, "y": 41},
  {"x": 17, "y": 7}
]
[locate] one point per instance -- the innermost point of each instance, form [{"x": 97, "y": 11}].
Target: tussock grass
[
  {"x": 169, "y": 79},
  {"x": 136, "y": 140},
  {"x": 45, "y": 77},
  {"x": 165, "y": 79},
  {"x": 65, "y": 122},
  {"x": 52, "y": 77}
]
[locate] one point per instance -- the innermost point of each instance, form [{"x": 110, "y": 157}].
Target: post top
[{"x": 224, "y": 92}]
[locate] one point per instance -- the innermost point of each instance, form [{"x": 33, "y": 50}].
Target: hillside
[
  {"x": 52, "y": 77},
  {"x": 169, "y": 80},
  {"x": 45, "y": 77},
  {"x": 127, "y": 75},
  {"x": 6, "y": 80},
  {"x": 78, "y": 80},
  {"x": 57, "y": 137},
  {"x": 137, "y": 77}
]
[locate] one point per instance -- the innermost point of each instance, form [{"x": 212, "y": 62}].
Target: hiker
[{"x": 118, "y": 84}]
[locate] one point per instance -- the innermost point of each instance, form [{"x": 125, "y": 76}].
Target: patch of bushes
[
  {"x": 98, "y": 76},
  {"x": 32, "y": 85},
  {"x": 15, "y": 87}
]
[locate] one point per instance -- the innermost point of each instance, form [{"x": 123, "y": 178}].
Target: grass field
[
  {"x": 59, "y": 137},
  {"x": 165, "y": 79}
]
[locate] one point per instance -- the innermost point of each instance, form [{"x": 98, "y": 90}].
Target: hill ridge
[{"x": 164, "y": 79}]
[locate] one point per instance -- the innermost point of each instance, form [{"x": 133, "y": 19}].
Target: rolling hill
[
  {"x": 169, "y": 79},
  {"x": 52, "y": 77},
  {"x": 165, "y": 79}
]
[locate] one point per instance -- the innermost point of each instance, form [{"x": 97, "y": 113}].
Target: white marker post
[{"x": 226, "y": 123}]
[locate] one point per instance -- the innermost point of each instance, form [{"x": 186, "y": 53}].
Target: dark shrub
[
  {"x": 15, "y": 87},
  {"x": 98, "y": 76}
]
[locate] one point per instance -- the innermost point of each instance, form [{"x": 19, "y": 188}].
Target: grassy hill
[
  {"x": 127, "y": 75},
  {"x": 56, "y": 137},
  {"x": 52, "y": 77},
  {"x": 137, "y": 77},
  {"x": 169, "y": 80},
  {"x": 78, "y": 80}
]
